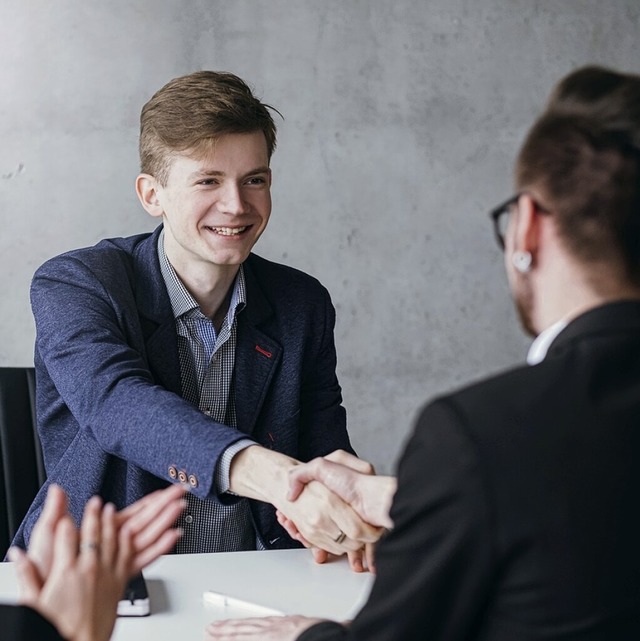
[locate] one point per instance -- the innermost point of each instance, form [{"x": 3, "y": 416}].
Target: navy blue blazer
[{"x": 108, "y": 393}]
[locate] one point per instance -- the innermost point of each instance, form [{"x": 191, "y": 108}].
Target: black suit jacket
[
  {"x": 20, "y": 623},
  {"x": 517, "y": 513}
]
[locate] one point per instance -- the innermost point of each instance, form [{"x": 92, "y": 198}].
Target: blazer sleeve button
[
  {"x": 173, "y": 473},
  {"x": 193, "y": 481},
  {"x": 182, "y": 477}
]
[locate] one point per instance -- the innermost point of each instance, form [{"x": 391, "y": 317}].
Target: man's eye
[
  {"x": 256, "y": 180},
  {"x": 207, "y": 181}
]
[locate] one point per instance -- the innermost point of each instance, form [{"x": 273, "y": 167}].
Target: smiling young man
[{"x": 180, "y": 356}]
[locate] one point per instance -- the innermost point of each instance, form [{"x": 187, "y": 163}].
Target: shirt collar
[
  {"x": 540, "y": 346},
  {"x": 181, "y": 300}
]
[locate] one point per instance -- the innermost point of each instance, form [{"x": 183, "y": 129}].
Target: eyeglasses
[{"x": 501, "y": 219}]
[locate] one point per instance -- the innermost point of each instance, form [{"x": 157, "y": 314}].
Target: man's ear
[
  {"x": 527, "y": 225},
  {"x": 148, "y": 188}
]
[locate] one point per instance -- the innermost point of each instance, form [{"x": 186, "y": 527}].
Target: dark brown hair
[
  {"x": 582, "y": 157},
  {"x": 191, "y": 112}
]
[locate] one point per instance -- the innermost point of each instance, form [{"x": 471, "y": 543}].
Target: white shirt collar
[{"x": 541, "y": 344}]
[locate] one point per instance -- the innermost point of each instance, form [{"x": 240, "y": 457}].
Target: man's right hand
[
  {"x": 320, "y": 515},
  {"x": 351, "y": 479}
]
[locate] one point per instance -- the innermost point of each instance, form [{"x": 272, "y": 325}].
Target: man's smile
[{"x": 229, "y": 231}]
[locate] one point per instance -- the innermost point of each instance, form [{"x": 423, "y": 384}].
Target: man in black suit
[{"x": 516, "y": 512}]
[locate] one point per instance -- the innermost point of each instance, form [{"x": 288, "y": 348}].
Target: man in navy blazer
[
  {"x": 515, "y": 516},
  {"x": 180, "y": 356}
]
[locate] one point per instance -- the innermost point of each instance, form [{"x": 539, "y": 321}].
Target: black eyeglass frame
[{"x": 503, "y": 208}]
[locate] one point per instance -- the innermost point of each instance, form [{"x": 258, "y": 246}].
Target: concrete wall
[{"x": 401, "y": 122}]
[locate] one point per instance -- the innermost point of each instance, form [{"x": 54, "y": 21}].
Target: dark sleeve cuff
[
  {"x": 25, "y": 624},
  {"x": 324, "y": 631}
]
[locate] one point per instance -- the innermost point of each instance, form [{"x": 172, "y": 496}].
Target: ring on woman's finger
[
  {"x": 340, "y": 538},
  {"x": 90, "y": 545}
]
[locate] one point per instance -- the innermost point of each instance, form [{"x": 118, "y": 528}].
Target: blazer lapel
[
  {"x": 257, "y": 355},
  {"x": 154, "y": 308}
]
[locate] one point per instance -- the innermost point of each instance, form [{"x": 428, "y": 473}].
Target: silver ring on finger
[
  {"x": 340, "y": 538},
  {"x": 90, "y": 545}
]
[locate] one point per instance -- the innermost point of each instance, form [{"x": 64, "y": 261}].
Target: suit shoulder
[
  {"x": 486, "y": 406},
  {"x": 108, "y": 254},
  {"x": 493, "y": 385}
]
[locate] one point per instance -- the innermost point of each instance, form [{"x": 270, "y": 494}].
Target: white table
[{"x": 287, "y": 581}]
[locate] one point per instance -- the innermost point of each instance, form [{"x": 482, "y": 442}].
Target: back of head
[
  {"x": 582, "y": 159},
  {"x": 191, "y": 112},
  {"x": 611, "y": 97}
]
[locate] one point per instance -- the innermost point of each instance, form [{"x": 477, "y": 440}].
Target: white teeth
[{"x": 228, "y": 231}]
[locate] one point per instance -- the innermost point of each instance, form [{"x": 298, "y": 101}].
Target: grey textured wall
[{"x": 401, "y": 122}]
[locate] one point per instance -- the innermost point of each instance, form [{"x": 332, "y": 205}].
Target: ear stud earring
[{"x": 522, "y": 261}]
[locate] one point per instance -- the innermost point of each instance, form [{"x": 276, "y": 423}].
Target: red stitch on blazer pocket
[{"x": 263, "y": 351}]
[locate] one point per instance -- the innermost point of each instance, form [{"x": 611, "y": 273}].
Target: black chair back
[{"x": 21, "y": 465}]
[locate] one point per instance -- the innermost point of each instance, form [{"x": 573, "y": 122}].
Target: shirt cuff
[{"x": 224, "y": 464}]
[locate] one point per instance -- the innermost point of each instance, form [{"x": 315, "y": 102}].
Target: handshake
[
  {"x": 75, "y": 577},
  {"x": 345, "y": 507}
]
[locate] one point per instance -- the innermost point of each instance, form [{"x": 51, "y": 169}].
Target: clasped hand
[{"x": 354, "y": 482}]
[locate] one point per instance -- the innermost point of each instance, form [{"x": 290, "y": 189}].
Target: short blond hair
[{"x": 191, "y": 112}]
